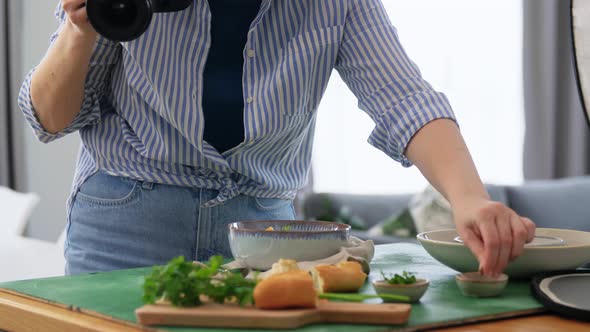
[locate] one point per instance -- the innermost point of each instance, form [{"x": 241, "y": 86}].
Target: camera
[{"x": 125, "y": 20}]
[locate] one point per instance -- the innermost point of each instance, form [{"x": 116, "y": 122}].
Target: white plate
[{"x": 572, "y": 253}]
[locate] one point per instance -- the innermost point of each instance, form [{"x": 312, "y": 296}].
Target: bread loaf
[
  {"x": 293, "y": 289},
  {"x": 342, "y": 277}
]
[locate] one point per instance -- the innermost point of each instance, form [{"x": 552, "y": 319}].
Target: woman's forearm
[
  {"x": 57, "y": 85},
  {"x": 439, "y": 151}
]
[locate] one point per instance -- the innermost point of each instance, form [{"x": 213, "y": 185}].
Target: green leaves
[
  {"x": 406, "y": 278},
  {"x": 182, "y": 283}
]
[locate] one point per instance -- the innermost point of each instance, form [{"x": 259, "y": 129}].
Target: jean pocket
[
  {"x": 270, "y": 204},
  {"x": 105, "y": 189}
]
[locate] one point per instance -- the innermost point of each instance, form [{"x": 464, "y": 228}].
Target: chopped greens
[
  {"x": 405, "y": 278},
  {"x": 183, "y": 283}
]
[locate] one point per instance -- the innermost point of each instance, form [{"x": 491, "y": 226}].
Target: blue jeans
[{"x": 120, "y": 223}]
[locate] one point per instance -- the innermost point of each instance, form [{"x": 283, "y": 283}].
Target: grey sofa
[{"x": 563, "y": 203}]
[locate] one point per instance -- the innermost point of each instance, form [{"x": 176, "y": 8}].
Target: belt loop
[{"x": 147, "y": 185}]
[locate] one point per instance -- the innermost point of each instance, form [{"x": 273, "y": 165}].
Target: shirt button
[
  {"x": 194, "y": 95},
  {"x": 250, "y": 100},
  {"x": 251, "y": 53}
]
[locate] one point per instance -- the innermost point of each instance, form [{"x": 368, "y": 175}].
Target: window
[{"x": 471, "y": 51}]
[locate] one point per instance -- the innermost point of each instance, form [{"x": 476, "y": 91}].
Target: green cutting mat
[{"x": 118, "y": 293}]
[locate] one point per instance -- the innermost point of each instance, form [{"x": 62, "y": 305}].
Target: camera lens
[
  {"x": 121, "y": 12},
  {"x": 120, "y": 20}
]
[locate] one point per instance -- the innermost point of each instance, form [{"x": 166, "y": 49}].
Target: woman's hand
[
  {"x": 493, "y": 232},
  {"x": 78, "y": 17}
]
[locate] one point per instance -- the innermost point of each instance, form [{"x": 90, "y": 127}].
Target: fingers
[
  {"x": 76, "y": 11},
  {"x": 530, "y": 228},
  {"x": 474, "y": 242},
  {"x": 504, "y": 230},
  {"x": 519, "y": 235},
  {"x": 491, "y": 240},
  {"x": 72, "y": 5}
]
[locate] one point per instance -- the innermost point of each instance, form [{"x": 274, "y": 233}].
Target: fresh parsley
[
  {"x": 405, "y": 278},
  {"x": 183, "y": 283}
]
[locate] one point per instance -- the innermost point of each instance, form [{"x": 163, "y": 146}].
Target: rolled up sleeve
[
  {"x": 388, "y": 85},
  {"x": 105, "y": 56}
]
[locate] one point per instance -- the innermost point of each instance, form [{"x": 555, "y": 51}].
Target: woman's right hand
[{"x": 78, "y": 17}]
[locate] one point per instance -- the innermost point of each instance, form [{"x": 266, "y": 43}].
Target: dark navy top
[{"x": 223, "y": 99}]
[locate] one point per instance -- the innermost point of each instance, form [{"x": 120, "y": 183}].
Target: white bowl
[
  {"x": 573, "y": 252},
  {"x": 255, "y": 247}
]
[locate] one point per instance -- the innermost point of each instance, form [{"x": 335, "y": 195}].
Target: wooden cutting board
[{"x": 231, "y": 316}]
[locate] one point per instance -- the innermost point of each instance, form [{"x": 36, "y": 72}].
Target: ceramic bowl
[
  {"x": 413, "y": 291},
  {"x": 553, "y": 249},
  {"x": 254, "y": 246},
  {"x": 476, "y": 285}
]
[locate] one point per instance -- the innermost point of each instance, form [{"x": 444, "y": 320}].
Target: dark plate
[{"x": 565, "y": 292}]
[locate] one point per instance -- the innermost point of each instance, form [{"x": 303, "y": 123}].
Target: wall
[{"x": 47, "y": 168}]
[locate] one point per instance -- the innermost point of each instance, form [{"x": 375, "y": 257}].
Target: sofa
[{"x": 563, "y": 203}]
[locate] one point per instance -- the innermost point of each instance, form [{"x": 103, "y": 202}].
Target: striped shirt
[{"x": 142, "y": 118}]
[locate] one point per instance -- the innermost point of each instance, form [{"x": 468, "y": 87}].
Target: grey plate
[
  {"x": 564, "y": 292},
  {"x": 572, "y": 290}
]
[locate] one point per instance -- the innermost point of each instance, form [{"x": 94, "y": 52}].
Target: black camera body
[{"x": 124, "y": 20}]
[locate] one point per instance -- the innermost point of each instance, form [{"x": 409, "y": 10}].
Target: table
[{"x": 108, "y": 303}]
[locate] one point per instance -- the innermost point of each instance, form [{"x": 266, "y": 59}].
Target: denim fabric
[{"x": 119, "y": 223}]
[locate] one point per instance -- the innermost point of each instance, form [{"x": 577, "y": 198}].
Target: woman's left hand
[{"x": 493, "y": 232}]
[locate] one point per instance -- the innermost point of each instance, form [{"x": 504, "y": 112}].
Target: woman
[{"x": 208, "y": 118}]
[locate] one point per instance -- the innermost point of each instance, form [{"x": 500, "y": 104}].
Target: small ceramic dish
[
  {"x": 476, "y": 285},
  {"x": 259, "y": 244},
  {"x": 413, "y": 291}
]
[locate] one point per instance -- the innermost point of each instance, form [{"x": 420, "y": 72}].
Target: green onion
[{"x": 362, "y": 297}]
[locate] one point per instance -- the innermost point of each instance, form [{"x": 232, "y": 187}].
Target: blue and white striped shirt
[{"x": 142, "y": 117}]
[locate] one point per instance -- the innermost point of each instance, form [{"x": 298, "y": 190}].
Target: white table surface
[{"x": 27, "y": 258}]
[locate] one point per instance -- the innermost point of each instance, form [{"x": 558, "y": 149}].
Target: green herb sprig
[
  {"x": 362, "y": 297},
  {"x": 405, "y": 278},
  {"x": 183, "y": 283}
]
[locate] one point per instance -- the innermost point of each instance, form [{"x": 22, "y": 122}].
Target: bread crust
[
  {"x": 339, "y": 278},
  {"x": 293, "y": 289}
]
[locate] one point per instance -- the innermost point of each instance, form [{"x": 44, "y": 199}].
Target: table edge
[
  {"x": 44, "y": 307},
  {"x": 475, "y": 321}
]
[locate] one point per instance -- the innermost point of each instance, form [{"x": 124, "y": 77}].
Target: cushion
[{"x": 554, "y": 203}]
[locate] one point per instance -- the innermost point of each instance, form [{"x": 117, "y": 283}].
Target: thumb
[
  {"x": 475, "y": 244},
  {"x": 530, "y": 228}
]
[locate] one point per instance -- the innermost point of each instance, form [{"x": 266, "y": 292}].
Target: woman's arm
[
  {"x": 57, "y": 85},
  {"x": 413, "y": 121},
  {"x": 493, "y": 232}
]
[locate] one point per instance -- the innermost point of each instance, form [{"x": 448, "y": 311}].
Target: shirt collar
[{"x": 264, "y": 6}]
